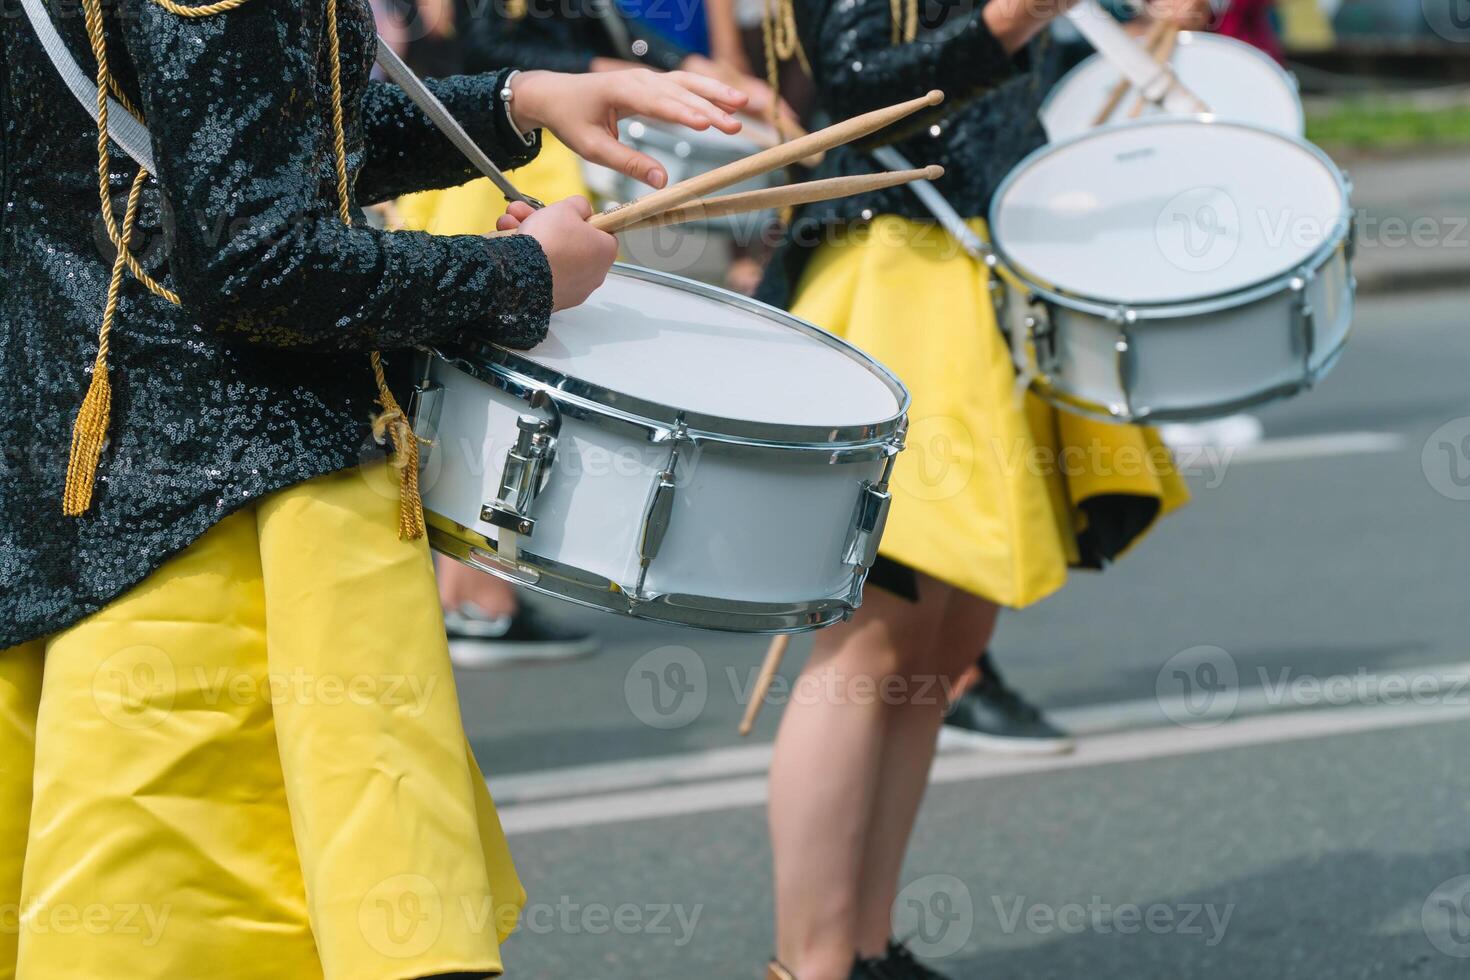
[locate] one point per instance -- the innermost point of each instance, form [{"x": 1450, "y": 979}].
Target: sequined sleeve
[
  {"x": 858, "y": 67},
  {"x": 406, "y": 153},
  {"x": 256, "y": 248}
]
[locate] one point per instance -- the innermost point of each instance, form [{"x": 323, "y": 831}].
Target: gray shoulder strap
[{"x": 125, "y": 131}]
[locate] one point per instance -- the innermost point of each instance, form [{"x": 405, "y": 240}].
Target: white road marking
[
  {"x": 654, "y": 801},
  {"x": 1316, "y": 447},
  {"x": 1449, "y": 682}
]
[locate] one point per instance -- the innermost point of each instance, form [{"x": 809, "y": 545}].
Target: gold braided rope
[
  {"x": 89, "y": 432},
  {"x": 905, "y": 20}
]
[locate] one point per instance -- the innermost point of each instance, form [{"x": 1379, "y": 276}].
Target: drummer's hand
[
  {"x": 758, "y": 92},
  {"x": 583, "y": 111},
  {"x": 1187, "y": 15},
  {"x": 578, "y": 253}
]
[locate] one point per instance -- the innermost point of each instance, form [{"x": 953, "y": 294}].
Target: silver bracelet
[{"x": 506, "y": 97}]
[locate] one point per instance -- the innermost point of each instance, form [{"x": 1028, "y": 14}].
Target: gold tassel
[
  {"x": 87, "y": 436},
  {"x": 392, "y": 424},
  {"x": 89, "y": 431}
]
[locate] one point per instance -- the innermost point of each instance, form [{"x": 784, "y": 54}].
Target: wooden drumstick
[
  {"x": 1115, "y": 98},
  {"x": 1162, "y": 54},
  {"x": 759, "y": 164},
  {"x": 772, "y": 663},
  {"x": 806, "y": 192}
]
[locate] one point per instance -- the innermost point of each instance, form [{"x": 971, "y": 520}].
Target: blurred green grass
[{"x": 1379, "y": 123}]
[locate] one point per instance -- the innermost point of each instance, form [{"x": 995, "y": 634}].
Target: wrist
[{"x": 521, "y": 96}]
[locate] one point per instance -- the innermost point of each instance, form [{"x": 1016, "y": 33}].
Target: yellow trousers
[
  {"x": 997, "y": 493},
  {"x": 252, "y": 766}
]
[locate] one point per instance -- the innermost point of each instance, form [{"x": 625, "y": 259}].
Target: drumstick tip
[
  {"x": 933, "y": 172},
  {"x": 934, "y": 97}
]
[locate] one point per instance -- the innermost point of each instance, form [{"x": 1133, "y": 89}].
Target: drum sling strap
[
  {"x": 118, "y": 120},
  {"x": 977, "y": 248}
]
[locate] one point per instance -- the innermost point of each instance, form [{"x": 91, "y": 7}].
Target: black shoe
[
  {"x": 999, "y": 719},
  {"x": 899, "y": 964},
  {"x": 861, "y": 970},
  {"x": 479, "y": 642}
]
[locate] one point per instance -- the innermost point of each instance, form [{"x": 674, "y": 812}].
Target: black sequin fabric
[
  {"x": 987, "y": 124},
  {"x": 260, "y": 379}
]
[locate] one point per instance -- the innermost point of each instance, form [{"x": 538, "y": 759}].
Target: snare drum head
[
  {"x": 1168, "y": 211},
  {"x": 1238, "y": 83},
  {"x": 676, "y": 343}
]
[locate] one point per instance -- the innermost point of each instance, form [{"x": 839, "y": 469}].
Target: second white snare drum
[
  {"x": 1175, "y": 268},
  {"x": 685, "y": 153},
  {"x": 671, "y": 451},
  {"x": 1237, "y": 81}
]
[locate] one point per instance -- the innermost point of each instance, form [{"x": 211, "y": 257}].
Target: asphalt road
[{"x": 1272, "y": 700}]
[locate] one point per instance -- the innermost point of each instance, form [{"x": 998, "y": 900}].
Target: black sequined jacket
[
  {"x": 986, "y": 125},
  {"x": 260, "y": 379},
  {"x": 563, "y": 35}
]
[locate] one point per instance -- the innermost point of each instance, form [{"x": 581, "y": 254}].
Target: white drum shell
[
  {"x": 1181, "y": 357},
  {"x": 767, "y": 527},
  {"x": 1238, "y": 82},
  {"x": 767, "y": 482},
  {"x": 1198, "y": 361}
]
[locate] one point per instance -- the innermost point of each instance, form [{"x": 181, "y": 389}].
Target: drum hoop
[
  {"x": 480, "y": 359},
  {"x": 1207, "y": 302},
  {"x": 1187, "y": 38}
]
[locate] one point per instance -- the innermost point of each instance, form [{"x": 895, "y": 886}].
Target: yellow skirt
[
  {"x": 472, "y": 208},
  {"x": 996, "y": 493},
  {"x": 252, "y": 766}
]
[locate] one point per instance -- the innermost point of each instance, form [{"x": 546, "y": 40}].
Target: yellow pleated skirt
[
  {"x": 998, "y": 493},
  {"x": 252, "y": 766},
  {"x": 472, "y": 208}
]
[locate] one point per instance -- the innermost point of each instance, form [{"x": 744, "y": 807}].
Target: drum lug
[
  {"x": 1305, "y": 317},
  {"x": 1127, "y": 362},
  {"x": 424, "y": 407},
  {"x": 660, "y": 512},
  {"x": 868, "y": 520},
  {"x": 1043, "y": 338},
  {"x": 527, "y": 468}
]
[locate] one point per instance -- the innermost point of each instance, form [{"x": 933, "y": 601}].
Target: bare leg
[
  {"x": 908, "y": 752},
  {"x": 824, "y": 777},
  {"x": 460, "y": 585}
]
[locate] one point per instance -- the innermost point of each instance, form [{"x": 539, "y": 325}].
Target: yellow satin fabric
[
  {"x": 987, "y": 495},
  {"x": 252, "y": 766},
  {"x": 472, "y": 208}
]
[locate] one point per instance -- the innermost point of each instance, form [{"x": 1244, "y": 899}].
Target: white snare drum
[
  {"x": 1175, "y": 268},
  {"x": 1238, "y": 82},
  {"x": 685, "y": 153},
  {"x": 671, "y": 451}
]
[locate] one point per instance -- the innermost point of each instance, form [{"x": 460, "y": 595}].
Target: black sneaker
[
  {"x": 899, "y": 964},
  {"x": 479, "y": 642},
  {"x": 861, "y": 970},
  {"x": 998, "y": 718}
]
